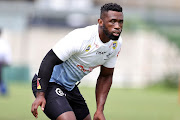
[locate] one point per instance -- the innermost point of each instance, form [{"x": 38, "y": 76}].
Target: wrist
[
  {"x": 40, "y": 94},
  {"x": 100, "y": 109}
]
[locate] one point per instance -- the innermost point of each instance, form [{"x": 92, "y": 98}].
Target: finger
[
  {"x": 32, "y": 108},
  {"x": 43, "y": 106},
  {"x": 34, "y": 111}
]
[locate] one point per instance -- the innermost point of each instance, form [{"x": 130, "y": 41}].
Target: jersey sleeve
[
  {"x": 68, "y": 46},
  {"x": 112, "y": 61}
]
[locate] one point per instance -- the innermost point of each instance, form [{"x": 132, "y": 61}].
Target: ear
[{"x": 100, "y": 21}]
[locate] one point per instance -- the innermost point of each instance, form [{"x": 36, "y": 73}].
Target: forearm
[
  {"x": 46, "y": 68},
  {"x": 102, "y": 89}
]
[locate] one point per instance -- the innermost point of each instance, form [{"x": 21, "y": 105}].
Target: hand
[
  {"x": 99, "y": 116},
  {"x": 39, "y": 101}
]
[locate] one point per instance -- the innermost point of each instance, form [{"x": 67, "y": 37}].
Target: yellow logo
[
  {"x": 114, "y": 44},
  {"x": 38, "y": 84},
  {"x": 88, "y": 48}
]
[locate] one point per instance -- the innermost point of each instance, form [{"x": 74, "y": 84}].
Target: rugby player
[{"x": 73, "y": 57}]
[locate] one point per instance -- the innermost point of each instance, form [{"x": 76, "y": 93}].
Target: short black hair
[{"x": 110, "y": 6}]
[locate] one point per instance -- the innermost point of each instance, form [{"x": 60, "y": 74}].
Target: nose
[{"x": 117, "y": 26}]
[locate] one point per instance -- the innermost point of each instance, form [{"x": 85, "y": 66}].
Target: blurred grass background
[{"x": 122, "y": 104}]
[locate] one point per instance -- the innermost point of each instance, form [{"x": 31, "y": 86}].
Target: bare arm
[{"x": 103, "y": 86}]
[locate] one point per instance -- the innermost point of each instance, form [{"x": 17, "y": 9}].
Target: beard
[{"x": 108, "y": 34}]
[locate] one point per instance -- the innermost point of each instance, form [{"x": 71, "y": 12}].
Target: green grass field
[{"x": 122, "y": 104}]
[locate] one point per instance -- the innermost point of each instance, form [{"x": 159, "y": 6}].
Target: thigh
[
  {"x": 56, "y": 102},
  {"x": 78, "y": 104},
  {"x": 67, "y": 116}
]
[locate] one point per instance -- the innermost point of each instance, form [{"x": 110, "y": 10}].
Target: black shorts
[{"x": 59, "y": 100}]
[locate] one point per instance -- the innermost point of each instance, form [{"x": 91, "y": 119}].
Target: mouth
[{"x": 116, "y": 33}]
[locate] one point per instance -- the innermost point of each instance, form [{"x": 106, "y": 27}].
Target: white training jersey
[{"x": 82, "y": 51}]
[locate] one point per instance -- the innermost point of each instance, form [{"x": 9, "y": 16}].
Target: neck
[{"x": 102, "y": 36}]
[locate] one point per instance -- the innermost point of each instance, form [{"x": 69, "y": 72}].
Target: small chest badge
[
  {"x": 88, "y": 48},
  {"x": 114, "y": 45},
  {"x": 59, "y": 92}
]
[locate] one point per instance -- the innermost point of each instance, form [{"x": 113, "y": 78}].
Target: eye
[
  {"x": 121, "y": 21},
  {"x": 113, "y": 21}
]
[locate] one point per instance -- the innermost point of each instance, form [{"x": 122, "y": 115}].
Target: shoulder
[{"x": 76, "y": 39}]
